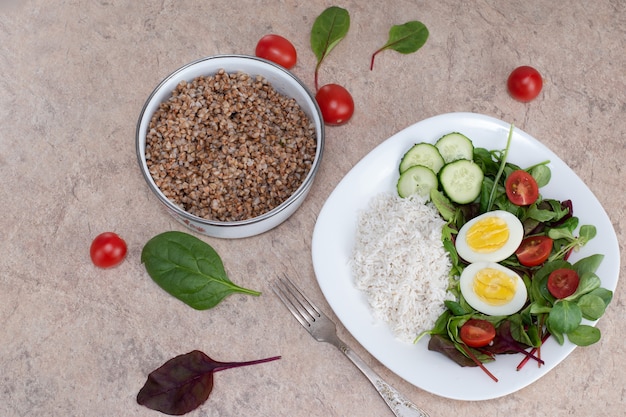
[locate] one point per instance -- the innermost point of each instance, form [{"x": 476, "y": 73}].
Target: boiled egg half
[
  {"x": 490, "y": 237},
  {"x": 493, "y": 289}
]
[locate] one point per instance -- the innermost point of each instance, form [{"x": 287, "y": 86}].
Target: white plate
[{"x": 333, "y": 240}]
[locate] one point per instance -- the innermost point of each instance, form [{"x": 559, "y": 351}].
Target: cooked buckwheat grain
[{"x": 229, "y": 147}]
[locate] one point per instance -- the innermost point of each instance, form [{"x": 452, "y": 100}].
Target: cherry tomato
[
  {"x": 277, "y": 49},
  {"x": 521, "y": 188},
  {"x": 524, "y": 83},
  {"x": 107, "y": 250},
  {"x": 563, "y": 282},
  {"x": 335, "y": 103},
  {"x": 534, "y": 250},
  {"x": 477, "y": 332}
]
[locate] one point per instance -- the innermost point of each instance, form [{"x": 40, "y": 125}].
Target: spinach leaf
[
  {"x": 440, "y": 328},
  {"x": 184, "y": 383},
  {"x": 484, "y": 159},
  {"x": 188, "y": 269},
  {"x": 541, "y": 173},
  {"x": 518, "y": 330},
  {"x": 485, "y": 193},
  {"x": 455, "y": 308},
  {"x": 584, "y": 335},
  {"x": 604, "y": 294},
  {"x": 591, "y": 306},
  {"x": 537, "y": 212},
  {"x": 406, "y": 39},
  {"x": 588, "y": 264},
  {"x": 329, "y": 28},
  {"x": 443, "y": 204},
  {"x": 534, "y": 335},
  {"x": 457, "y": 268},
  {"x": 537, "y": 308},
  {"x": 565, "y": 240},
  {"x": 564, "y": 317},
  {"x": 558, "y": 336}
]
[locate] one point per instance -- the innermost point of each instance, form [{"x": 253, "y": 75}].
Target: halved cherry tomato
[
  {"x": 277, "y": 49},
  {"x": 563, "y": 282},
  {"x": 534, "y": 250},
  {"x": 524, "y": 83},
  {"x": 521, "y": 188},
  {"x": 477, "y": 332},
  {"x": 107, "y": 250}
]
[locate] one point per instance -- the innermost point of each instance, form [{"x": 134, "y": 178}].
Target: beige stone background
[{"x": 74, "y": 75}]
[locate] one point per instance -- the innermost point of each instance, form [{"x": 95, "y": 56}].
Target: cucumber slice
[
  {"x": 424, "y": 154},
  {"x": 461, "y": 180},
  {"x": 455, "y": 146},
  {"x": 417, "y": 180}
]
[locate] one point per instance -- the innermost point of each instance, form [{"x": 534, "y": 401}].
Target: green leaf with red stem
[
  {"x": 329, "y": 28},
  {"x": 184, "y": 383},
  {"x": 406, "y": 39},
  {"x": 473, "y": 357},
  {"x": 534, "y": 351},
  {"x": 447, "y": 347}
]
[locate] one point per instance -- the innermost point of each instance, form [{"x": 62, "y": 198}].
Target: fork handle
[{"x": 399, "y": 405}]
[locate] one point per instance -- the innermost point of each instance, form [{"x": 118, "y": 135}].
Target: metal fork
[{"x": 323, "y": 329}]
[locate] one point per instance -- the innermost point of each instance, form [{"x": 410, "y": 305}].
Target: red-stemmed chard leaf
[
  {"x": 406, "y": 39},
  {"x": 505, "y": 343},
  {"x": 328, "y": 29},
  {"x": 184, "y": 383},
  {"x": 473, "y": 357},
  {"x": 534, "y": 352}
]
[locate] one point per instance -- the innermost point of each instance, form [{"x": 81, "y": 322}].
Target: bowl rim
[{"x": 293, "y": 198}]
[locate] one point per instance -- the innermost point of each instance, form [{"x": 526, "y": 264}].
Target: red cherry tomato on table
[
  {"x": 563, "y": 282},
  {"x": 521, "y": 188},
  {"x": 524, "y": 83},
  {"x": 336, "y": 104},
  {"x": 107, "y": 250},
  {"x": 534, "y": 250},
  {"x": 477, "y": 333},
  {"x": 277, "y": 49}
]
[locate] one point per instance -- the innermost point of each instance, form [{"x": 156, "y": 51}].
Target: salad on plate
[
  {"x": 336, "y": 235},
  {"x": 509, "y": 247}
]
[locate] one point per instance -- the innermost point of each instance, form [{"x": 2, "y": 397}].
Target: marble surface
[{"x": 79, "y": 341}]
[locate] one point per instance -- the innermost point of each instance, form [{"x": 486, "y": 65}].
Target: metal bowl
[{"x": 282, "y": 81}]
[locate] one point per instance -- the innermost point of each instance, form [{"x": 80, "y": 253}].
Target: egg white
[
  {"x": 466, "y": 284},
  {"x": 516, "y": 234}
]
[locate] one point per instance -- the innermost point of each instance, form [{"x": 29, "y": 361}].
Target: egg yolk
[
  {"x": 487, "y": 235},
  {"x": 494, "y": 287}
]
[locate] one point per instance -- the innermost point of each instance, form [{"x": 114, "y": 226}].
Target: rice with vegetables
[{"x": 400, "y": 263}]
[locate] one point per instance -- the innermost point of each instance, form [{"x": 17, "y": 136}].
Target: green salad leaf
[
  {"x": 189, "y": 269},
  {"x": 329, "y": 28},
  {"x": 565, "y": 316},
  {"x": 584, "y": 335},
  {"x": 406, "y": 39}
]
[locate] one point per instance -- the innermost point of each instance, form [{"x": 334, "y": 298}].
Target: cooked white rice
[{"x": 400, "y": 263}]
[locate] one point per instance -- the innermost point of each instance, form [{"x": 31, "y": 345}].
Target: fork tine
[
  {"x": 281, "y": 292},
  {"x": 302, "y": 299},
  {"x": 299, "y": 304}
]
